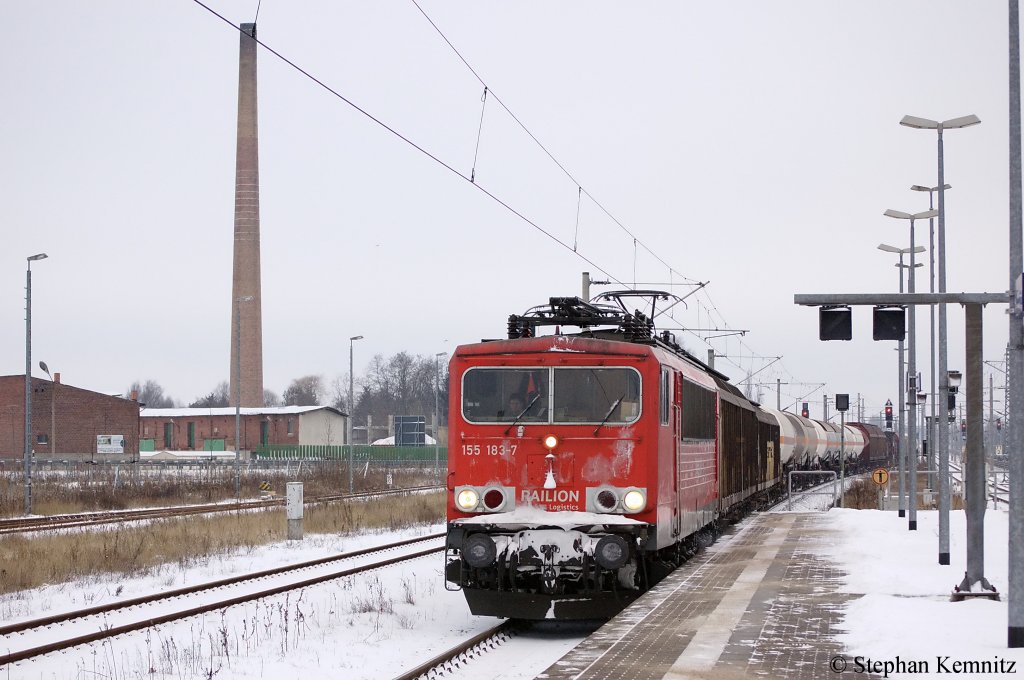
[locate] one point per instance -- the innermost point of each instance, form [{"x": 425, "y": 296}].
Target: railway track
[
  {"x": 77, "y": 520},
  {"x": 462, "y": 652},
  {"x": 32, "y": 638},
  {"x": 1002, "y": 494}
]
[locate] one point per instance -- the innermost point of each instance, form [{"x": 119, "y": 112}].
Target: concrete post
[
  {"x": 974, "y": 465},
  {"x": 293, "y": 505}
]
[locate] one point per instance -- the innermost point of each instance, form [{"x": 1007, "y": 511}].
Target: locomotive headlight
[
  {"x": 634, "y": 501},
  {"x": 606, "y": 500},
  {"x": 467, "y": 499},
  {"x": 550, "y": 442},
  {"x": 494, "y": 499}
]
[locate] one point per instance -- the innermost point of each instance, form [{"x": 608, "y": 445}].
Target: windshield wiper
[
  {"x": 609, "y": 414},
  {"x": 523, "y": 413}
]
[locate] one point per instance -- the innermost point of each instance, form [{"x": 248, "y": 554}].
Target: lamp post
[
  {"x": 437, "y": 418},
  {"x": 944, "y": 501},
  {"x": 238, "y": 395},
  {"x": 901, "y": 450},
  {"x": 352, "y": 408},
  {"x": 53, "y": 408},
  {"x": 912, "y": 369},
  {"x": 28, "y": 381},
  {"x": 932, "y": 427}
]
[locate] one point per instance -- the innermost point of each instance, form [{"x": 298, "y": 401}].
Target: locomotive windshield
[{"x": 551, "y": 395}]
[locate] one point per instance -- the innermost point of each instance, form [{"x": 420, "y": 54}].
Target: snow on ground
[
  {"x": 905, "y": 610},
  {"x": 376, "y": 626},
  {"x": 373, "y": 626}
]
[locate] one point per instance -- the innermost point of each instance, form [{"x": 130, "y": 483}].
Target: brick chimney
[{"x": 247, "y": 348}]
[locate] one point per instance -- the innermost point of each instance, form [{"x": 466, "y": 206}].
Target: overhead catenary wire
[
  {"x": 411, "y": 143},
  {"x": 479, "y": 132},
  {"x": 637, "y": 242},
  {"x": 581, "y": 191},
  {"x": 543, "y": 148}
]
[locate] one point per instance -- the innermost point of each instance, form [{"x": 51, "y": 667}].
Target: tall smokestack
[{"x": 246, "y": 302}]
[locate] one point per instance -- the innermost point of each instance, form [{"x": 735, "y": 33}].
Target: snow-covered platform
[{"x": 759, "y": 602}]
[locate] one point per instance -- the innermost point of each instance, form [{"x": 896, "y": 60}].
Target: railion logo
[{"x": 550, "y": 496}]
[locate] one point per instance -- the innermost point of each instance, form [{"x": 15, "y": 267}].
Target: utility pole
[{"x": 1014, "y": 443}]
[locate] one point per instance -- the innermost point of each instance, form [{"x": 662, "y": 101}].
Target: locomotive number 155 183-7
[{"x": 489, "y": 449}]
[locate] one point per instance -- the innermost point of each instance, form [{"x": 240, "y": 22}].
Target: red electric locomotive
[{"x": 583, "y": 467}]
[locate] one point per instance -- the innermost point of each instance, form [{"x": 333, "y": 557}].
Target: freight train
[{"x": 585, "y": 466}]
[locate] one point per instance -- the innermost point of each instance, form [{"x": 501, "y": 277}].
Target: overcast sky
[{"x": 753, "y": 145}]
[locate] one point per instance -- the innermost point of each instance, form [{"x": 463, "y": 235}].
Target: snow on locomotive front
[{"x": 552, "y": 491}]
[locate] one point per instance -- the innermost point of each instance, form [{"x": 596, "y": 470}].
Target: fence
[{"x": 360, "y": 454}]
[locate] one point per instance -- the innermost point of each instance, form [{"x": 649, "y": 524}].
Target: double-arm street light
[
  {"x": 912, "y": 388},
  {"x": 352, "y": 408},
  {"x": 28, "y": 381},
  {"x": 944, "y": 500},
  {"x": 901, "y": 446}
]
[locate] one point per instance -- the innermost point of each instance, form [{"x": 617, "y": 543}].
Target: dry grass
[
  {"x": 83, "y": 487},
  {"x": 863, "y": 495},
  {"x": 132, "y": 551}
]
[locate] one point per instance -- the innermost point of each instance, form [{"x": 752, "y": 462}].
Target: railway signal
[
  {"x": 888, "y": 414},
  {"x": 835, "y": 323}
]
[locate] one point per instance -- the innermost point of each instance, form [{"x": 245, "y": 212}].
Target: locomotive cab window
[
  {"x": 501, "y": 395},
  {"x": 551, "y": 395},
  {"x": 596, "y": 395}
]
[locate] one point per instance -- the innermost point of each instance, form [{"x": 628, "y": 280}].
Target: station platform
[{"x": 758, "y": 603}]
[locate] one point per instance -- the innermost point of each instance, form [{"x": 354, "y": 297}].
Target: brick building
[
  {"x": 67, "y": 421},
  {"x": 213, "y": 429}
]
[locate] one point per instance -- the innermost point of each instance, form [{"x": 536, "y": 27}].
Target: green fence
[{"x": 411, "y": 454}]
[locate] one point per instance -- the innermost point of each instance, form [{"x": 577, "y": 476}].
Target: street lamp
[
  {"x": 437, "y": 418},
  {"x": 352, "y": 408},
  {"x": 932, "y": 432},
  {"x": 912, "y": 388},
  {"x": 238, "y": 394},
  {"x": 901, "y": 450},
  {"x": 944, "y": 501},
  {"x": 28, "y": 381}
]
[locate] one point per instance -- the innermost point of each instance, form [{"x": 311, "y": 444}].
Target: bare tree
[
  {"x": 304, "y": 391},
  {"x": 218, "y": 398},
  {"x": 270, "y": 398},
  {"x": 401, "y": 385},
  {"x": 151, "y": 394},
  {"x": 339, "y": 393}
]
